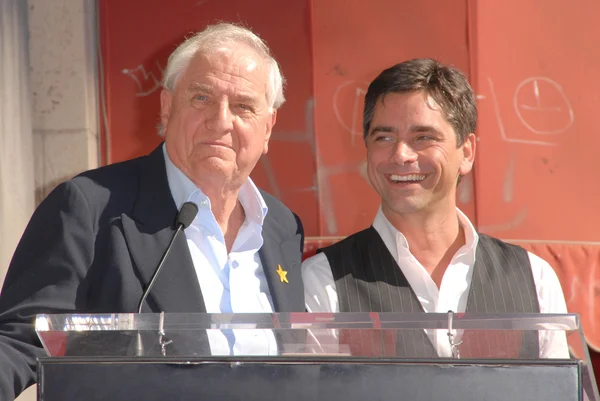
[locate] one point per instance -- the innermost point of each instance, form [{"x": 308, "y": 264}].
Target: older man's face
[{"x": 217, "y": 119}]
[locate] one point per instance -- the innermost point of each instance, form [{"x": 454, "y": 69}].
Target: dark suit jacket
[{"x": 92, "y": 246}]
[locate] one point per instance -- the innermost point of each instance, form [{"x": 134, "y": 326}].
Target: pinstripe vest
[{"x": 368, "y": 279}]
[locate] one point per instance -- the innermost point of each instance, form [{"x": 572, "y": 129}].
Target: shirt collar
[
  {"x": 394, "y": 239},
  {"x": 183, "y": 189}
]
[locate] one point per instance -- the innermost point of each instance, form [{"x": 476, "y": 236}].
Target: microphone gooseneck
[{"x": 185, "y": 217}]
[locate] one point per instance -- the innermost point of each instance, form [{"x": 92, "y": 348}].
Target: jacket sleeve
[{"x": 44, "y": 276}]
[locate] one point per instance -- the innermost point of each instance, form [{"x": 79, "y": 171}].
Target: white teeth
[{"x": 405, "y": 178}]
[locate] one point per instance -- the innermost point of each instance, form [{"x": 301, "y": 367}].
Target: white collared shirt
[
  {"x": 321, "y": 295},
  {"x": 232, "y": 282}
]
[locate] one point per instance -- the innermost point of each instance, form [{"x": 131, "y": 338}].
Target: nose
[
  {"x": 404, "y": 153},
  {"x": 221, "y": 118}
]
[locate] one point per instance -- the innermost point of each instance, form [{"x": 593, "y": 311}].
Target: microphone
[{"x": 185, "y": 217}]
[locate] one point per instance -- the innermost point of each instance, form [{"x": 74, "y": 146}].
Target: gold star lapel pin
[{"x": 282, "y": 274}]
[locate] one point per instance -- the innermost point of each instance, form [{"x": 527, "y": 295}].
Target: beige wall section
[
  {"x": 63, "y": 46},
  {"x": 16, "y": 138},
  {"x": 62, "y": 51}
]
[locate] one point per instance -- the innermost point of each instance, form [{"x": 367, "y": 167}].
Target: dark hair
[{"x": 446, "y": 85}]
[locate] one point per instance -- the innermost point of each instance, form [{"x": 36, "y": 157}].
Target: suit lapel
[
  {"x": 288, "y": 296},
  {"x": 150, "y": 227},
  {"x": 148, "y": 231}
]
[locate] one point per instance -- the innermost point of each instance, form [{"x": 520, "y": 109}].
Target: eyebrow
[
  {"x": 245, "y": 98},
  {"x": 424, "y": 128},
  {"x": 195, "y": 87},
  {"x": 382, "y": 128},
  {"x": 411, "y": 128}
]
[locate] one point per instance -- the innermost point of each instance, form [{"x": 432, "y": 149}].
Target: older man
[
  {"x": 422, "y": 254},
  {"x": 95, "y": 241}
]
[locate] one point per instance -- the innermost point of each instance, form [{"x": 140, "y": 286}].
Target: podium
[{"x": 305, "y": 356}]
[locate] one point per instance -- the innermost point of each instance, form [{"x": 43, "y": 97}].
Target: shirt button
[
  {"x": 235, "y": 264},
  {"x": 204, "y": 203}
]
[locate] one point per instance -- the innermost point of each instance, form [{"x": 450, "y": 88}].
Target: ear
[
  {"x": 468, "y": 148},
  {"x": 269, "y": 129},
  {"x": 166, "y": 99}
]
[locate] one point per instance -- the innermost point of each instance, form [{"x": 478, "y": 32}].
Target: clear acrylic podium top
[{"x": 387, "y": 337}]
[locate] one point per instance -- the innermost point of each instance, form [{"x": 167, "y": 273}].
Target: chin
[
  {"x": 212, "y": 162},
  {"x": 406, "y": 206},
  {"x": 210, "y": 168}
]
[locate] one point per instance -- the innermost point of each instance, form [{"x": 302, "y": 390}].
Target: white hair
[{"x": 214, "y": 37}]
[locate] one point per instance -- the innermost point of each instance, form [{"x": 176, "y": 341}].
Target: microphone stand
[
  {"x": 139, "y": 344},
  {"x": 161, "y": 334},
  {"x": 185, "y": 217},
  {"x": 453, "y": 346}
]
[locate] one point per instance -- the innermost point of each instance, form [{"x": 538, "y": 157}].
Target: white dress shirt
[
  {"x": 321, "y": 295},
  {"x": 231, "y": 282}
]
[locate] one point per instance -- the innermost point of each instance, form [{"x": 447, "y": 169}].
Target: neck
[
  {"x": 228, "y": 212},
  {"x": 433, "y": 237}
]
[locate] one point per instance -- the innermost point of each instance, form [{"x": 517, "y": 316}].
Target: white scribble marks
[
  {"x": 509, "y": 181},
  {"x": 354, "y": 125},
  {"x": 559, "y": 104},
  {"x": 517, "y": 220},
  {"x": 501, "y": 124},
  {"x": 146, "y": 81}
]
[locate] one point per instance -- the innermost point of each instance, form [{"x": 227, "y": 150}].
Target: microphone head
[{"x": 186, "y": 214}]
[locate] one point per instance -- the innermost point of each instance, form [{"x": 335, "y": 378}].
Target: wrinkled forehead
[
  {"x": 238, "y": 61},
  {"x": 240, "y": 55}
]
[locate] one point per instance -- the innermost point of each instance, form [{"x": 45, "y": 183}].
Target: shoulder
[
  {"x": 319, "y": 287},
  {"x": 279, "y": 217},
  {"x": 501, "y": 251},
  {"x": 351, "y": 242},
  {"x": 488, "y": 241},
  {"x": 547, "y": 284},
  {"x": 276, "y": 207},
  {"x": 314, "y": 263},
  {"x": 121, "y": 176},
  {"x": 316, "y": 266},
  {"x": 537, "y": 263},
  {"x": 103, "y": 192}
]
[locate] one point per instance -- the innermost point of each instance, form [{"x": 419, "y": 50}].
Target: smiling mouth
[{"x": 406, "y": 178}]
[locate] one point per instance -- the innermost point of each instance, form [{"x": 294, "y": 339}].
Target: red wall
[
  {"x": 537, "y": 173},
  {"x": 352, "y": 45},
  {"x": 533, "y": 65},
  {"x": 136, "y": 39}
]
